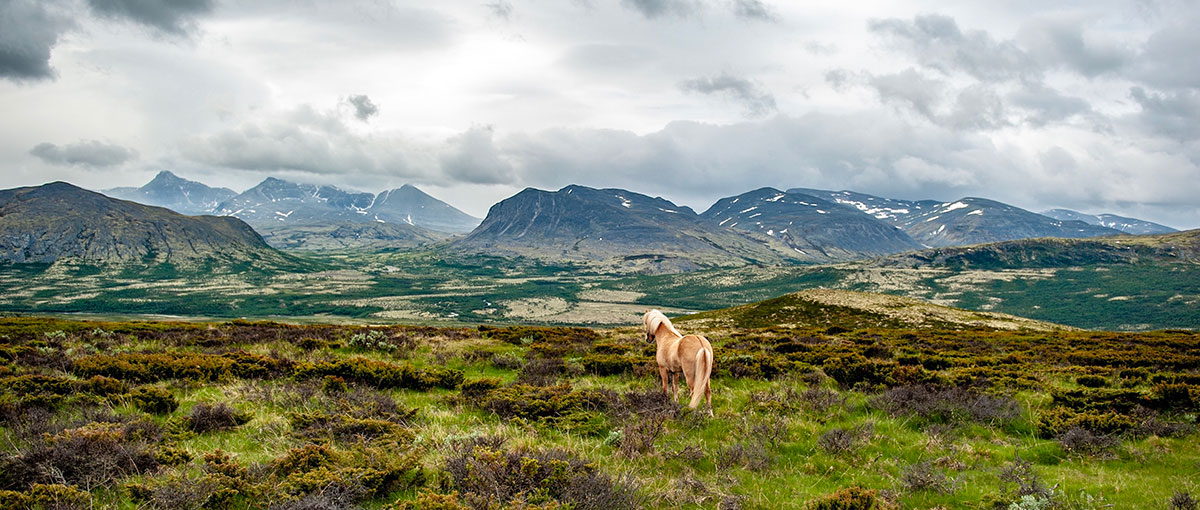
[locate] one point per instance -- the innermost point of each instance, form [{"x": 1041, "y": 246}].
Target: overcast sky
[{"x": 1092, "y": 105}]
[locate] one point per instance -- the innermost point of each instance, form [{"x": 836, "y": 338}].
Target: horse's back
[{"x": 692, "y": 343}]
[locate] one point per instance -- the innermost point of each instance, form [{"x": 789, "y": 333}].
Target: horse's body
[{"x": 690, "y": 354}]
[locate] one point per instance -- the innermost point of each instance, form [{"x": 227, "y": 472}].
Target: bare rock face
[{"x": 43, "y": 224}]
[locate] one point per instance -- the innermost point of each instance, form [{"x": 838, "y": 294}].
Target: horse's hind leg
[
  {"x": 665, "y": 376},
  {"x": 708, "y": 396}
]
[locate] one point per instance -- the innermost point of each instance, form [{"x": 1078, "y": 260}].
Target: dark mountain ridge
[
  {"x": 46, "y": 223},
  {"x": 581, "y": 223}
]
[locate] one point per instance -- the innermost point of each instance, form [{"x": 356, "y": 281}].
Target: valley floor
[{"x": 384, "y": 287}]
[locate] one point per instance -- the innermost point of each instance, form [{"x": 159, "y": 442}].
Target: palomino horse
[{"x": 691, "y": 354}]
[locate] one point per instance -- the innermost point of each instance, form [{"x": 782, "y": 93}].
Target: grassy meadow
[{"x": 268, "y": 415}]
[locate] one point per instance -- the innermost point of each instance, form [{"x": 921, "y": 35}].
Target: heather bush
[
  {"x": 845, "y": 440},
  {"x": 213, "y": 417},
  {"x": 96, "y": 454},
  {"x": 489, "y": 476},
  {"x": 947, "y": 405},
  {"x": 923, "y": 477},
  {"x": 1082, "y": 441}
]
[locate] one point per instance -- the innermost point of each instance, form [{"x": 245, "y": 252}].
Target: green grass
[{"x": 787, "y": 472}]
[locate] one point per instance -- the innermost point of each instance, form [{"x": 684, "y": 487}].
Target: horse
[{"x": 690, "y": 354}]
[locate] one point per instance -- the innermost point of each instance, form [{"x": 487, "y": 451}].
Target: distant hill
[
  {"x": 410, "y": 205},
  {"x": 348, "y": 235},
  {"x": 302, "y": 216},
  {"x": 966, "y": 221},
  {"x": 812, "y": 226},
  {"x": 618, "y": 227},
  {"x": 175, "y": 193},
  {"x": 855, "y": 310},
  {"x": 1055, "y": 253},
  {"x": 46, "y": 223},
  {"x": 1122, "y": 223}
]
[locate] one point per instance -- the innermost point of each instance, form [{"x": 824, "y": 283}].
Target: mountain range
[
  {"x": 620, "y": 228},
  {"x": 45, "y": 223},
  {"x": 304, "y": 216},
  {"x": 964, "y": 221},
  {"x": 1122, "y": 223}
]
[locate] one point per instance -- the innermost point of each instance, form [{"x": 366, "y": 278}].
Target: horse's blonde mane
[{"x": 654, "y": 319}]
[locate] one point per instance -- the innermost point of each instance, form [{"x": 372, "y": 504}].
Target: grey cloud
[
  {"x": 309, "y": 141},
  {"x": 911, "y": 89},
  {"x": 86, "y": 153},
  {"x": 1046, "y": 105},
  {"x": 659, "y": 8},
  {"x": 839, "y": 79},
  {"x": 472, "y": 157},
  {"x": 870, "y": 151},
  {"x": 1063, "y": 43},
  {"x": 1168, "y": 59},
  {"x": 757, "y": 102},
  {"x": 363, "y": 107},
  {"x": 500, "y": 9},
  {"x": 754, "y": 10},
  {"x": 977, "y": 107},
  {"x": 175, "y": 17},
  {"x": 1172, "y": 114},
  {"x": 937, "y": 42},
  {"x": 29, "y": 30}
]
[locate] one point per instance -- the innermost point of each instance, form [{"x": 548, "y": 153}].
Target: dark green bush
[
  {"x": 318, "y": 425},
  {"x": 612, "y": 364},
  {"x": 753, "y": 365},
  {"x": 1091, "y": 381},
  {"x": 851, "y": 370},
  {"x": 557, "y": 406},
  {"x": 477, "y": 388},
  {"x": 611, "y": 348},
  {"x": 381, "y": 374},
  {"x": 153, "y": 400},
  {"x": 1056, "y": 421},
  {"x": 1176, "y": 397}
]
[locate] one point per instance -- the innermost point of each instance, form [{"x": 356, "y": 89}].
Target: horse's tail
[{"x": 704, "y": 365}]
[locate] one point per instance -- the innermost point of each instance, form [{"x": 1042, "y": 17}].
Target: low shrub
[
  {"x": 382, "y": 374},
  {"x": 478, "y": 388},
  {"x": 1056, "y": 421},
  {"x": 613, "y": 364},
  {"x": 427, "y": 500},
  {"x": 1176, "y": 397},
  {"x": 924, "y": 478},
  {"x": 507, "y": 360},
  {"x": 851, "y": 370},
  {"x": 1082, "y": 441},
  {"x": 153, "y": 400},
  {"x": 611, "y": 348},
  {"x": 750, "y": 455},
  {"x": 47, "y": 497},
  {"x": 213, "y": 417},
  {"x": 1091, "y": 381},
  {"x": 845, "y": 440},
  {"x": 320, "y": 425},
  {"x": 1182, "y": 501},
  {"x": 94, "y": 455},
  {"x": 755, "y": 365},
  {"x": 947, "y": 405},
  {"x": 485, "y": 473},
  {"x": 850, "y": 498},
  {"x": 541, "y": 371}
]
